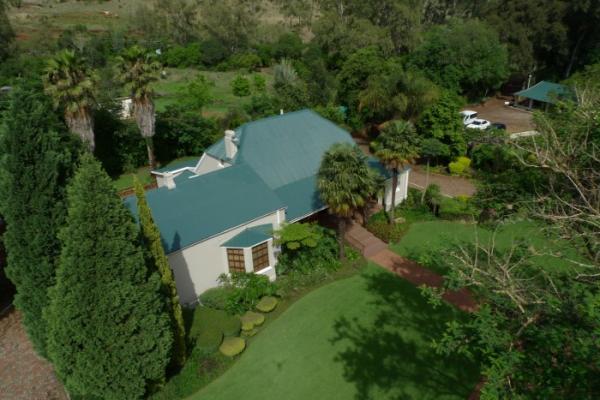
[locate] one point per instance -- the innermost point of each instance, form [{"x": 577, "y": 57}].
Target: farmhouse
[{"x": 218, "y": 214}]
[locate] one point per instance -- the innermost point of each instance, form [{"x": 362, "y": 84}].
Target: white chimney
[
  {"x": 169, "y": 181},
  {"x": 230, "y": 144}
]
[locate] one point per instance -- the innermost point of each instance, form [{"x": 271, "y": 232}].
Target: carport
[{"x": 544, "y": 92}]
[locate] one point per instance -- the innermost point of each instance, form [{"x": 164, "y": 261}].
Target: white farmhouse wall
[
  {"x": 197, "y": 268},
  {"x": 401, "y": 189}
]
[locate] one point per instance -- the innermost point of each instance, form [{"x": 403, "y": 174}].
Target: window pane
[
  {"x": 260, "y": 256},
  {"x": 235, "y": 258}
]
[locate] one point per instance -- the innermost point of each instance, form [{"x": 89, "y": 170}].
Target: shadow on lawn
[{"x": 396, "y": 360}]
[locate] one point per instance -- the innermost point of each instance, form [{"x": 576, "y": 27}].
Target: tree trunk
[
  {"x": 82, "y": 124},
  {"x": 426, "y": 182},
  {"x": 341, "y": 232},
  {"x": 145, "y": 117},
  {"x": 151, "y": 157},
  {"x": 574, "y": 55},
  {"x": 394, "y": 186}
]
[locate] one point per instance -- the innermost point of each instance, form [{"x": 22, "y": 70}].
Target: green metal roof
[
  {"x": 546, "y": 92},
  {"x": 287, "y": 148},
  {"x": 206, "y": 205},
  {"x": 275, "y": 167},
  {"x": 301, "y": 198},
  {"x": 251, "y": 236}
]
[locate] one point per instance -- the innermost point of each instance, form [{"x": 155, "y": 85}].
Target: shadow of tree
[{"x": 389, "y": 355}]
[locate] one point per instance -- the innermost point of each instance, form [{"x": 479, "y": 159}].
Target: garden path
[
  {"x": 23, "y": 374},
  {"x": 377, "y": 251}
]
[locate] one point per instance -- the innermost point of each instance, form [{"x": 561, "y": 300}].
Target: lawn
[
  {"x": 367, "y": 336},
  {"x": 125, "y": 180},
  {"x": 423, "y": 238},
  {"x": 172, "y": 88}
]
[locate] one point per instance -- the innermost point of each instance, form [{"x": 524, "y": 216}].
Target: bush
[
  {"x": 240, "y": 86},
  {"x": 267, "y": 304},
  {"x": 259, "y": 82},
  {"x": 260, "y": 106},
  {"x": 251, "y": 320},
  {"x": 210, "y": 325},
  {"x": 245, "y": 291},
  {"x": 183, "y": 56},
  {"x": 459, "y": 166},
  {"x": 213, "y": 52},
  {"x": 232, "y": 346},
  {"x": 455, "y": 209},
  {"x": 379, "y": 226},
  {"x": 247, "y": 61},
  {"x": 215, "y": 298},
  {"x": 307, "y": 247}
]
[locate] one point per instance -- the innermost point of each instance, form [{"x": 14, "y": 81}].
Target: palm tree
[
  {"x": 137, "y": 69},
  {"x": 72, "y": 85},
  {"x": 397, "y": 145},
  {"x": 345, "y": 184}
]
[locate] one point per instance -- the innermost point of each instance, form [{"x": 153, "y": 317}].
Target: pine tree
[
  {"x": 158, "y": 261},
  {"x": 35, "y": 164},
  {"x": 109, "y": 334}
]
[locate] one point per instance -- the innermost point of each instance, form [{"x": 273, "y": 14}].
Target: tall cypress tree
[
  {"x": 158, "y": 261},
  {"x": 109, "y": 335},
  {"x": 35, "y": 162}
]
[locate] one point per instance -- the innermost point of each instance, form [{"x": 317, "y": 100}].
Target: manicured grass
[
  {"x": 423, "y": 238},
  {"x": 172, "y": 89},
  {"x": 367, "y": 336},
  {"x": 125, "y": 181}
]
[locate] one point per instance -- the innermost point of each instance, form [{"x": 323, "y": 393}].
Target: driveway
[
  {"x": 494, "y": 110},
  {"x": 450, "y": 186}
]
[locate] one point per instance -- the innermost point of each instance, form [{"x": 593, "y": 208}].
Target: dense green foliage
[
  {"x": 36, "y": 155},
  {"x": 108, "y": 332},
  {"x": 157, "y": 262},
  {"x": 465, "y": 56},
  {"x": 244, "y": 290},
  {"x": 209, "y": 326},
  {"x": 442, "y": 121}
]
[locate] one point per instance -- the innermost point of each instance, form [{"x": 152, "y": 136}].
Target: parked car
[
  {"x": 498, "y": 125},
  {"x": 468, "y": 116},
  {"x": 481, "y": 124}
]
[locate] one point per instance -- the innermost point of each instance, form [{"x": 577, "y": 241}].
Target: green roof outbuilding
[{"x": 545, "y": 92}]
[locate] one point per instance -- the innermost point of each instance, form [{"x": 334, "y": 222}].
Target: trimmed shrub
[
  {"x": 251, "y": 319},
  {"x": 267, "y": 304},
  {"x": 210, "y": 325},
  {"x": 215, "y": 298},
  {"x": 466, "y": 161},
  {"x": 232, "y": 346},
  {"x": 250, "y": 333}
]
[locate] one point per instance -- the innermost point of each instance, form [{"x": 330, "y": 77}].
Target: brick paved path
[
  {"x": 377, "y": 251},
  {"x": 24, "y": 375}
]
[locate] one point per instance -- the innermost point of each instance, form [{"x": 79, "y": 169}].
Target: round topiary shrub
[
  {"x": 250, "y": 333},
  {"x": 252, "y": 319},
  {"x": 267, "y": 304},
  {"x": 209, "y": 339},
  {"x": 231, "y": 326},
  {"x": 232, "y": 346}
]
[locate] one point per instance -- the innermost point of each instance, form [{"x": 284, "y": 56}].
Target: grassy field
[
  {"x": 436, "y": 236},
  {"x": 367, "y": 336},
  {"x": 172, "y": 88}
]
